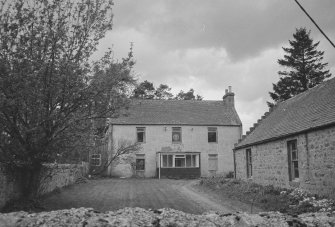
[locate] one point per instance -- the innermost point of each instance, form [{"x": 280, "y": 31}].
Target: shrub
[{"x": 230, "y": 174}]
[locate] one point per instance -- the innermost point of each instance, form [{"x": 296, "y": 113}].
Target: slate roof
[
  {"x": 178, "y": 112},
  {"x": 309, "y": 110}
]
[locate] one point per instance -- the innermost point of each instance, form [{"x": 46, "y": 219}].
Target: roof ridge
[
  {"x": 325, "y": 82},
  {"x": 175, "y": 100}
]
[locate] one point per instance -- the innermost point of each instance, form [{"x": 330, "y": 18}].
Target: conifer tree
[{"x": 303, "y": 67}]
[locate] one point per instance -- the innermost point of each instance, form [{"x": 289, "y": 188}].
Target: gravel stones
[{"x": 161, "y": 217}]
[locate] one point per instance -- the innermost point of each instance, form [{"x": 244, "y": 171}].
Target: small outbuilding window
[
  {"x": 249, "y": 162},
  {"x": 140, "y": 131},
  {"x": 293, "y": 160},
  {"x": 95, "y": 159},
  {"x": 176, "y": 134},
  {"x": 212, "y": 135}
]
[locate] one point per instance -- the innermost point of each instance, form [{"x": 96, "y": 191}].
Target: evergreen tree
[{"x": 303, "y": 67}]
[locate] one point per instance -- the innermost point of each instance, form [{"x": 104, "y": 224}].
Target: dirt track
[{"x": 114, "y": 194}]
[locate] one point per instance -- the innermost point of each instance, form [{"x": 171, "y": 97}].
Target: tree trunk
[{"x": 30, "y": 181}]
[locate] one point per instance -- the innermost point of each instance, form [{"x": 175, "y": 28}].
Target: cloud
[
  {"x": 210, "y": 45},
  {"x": 243, "y": 28}
]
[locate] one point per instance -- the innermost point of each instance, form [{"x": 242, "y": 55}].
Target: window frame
[
  {"x": 140, "y": 130},
  {"x": 293, "y": 170},
  {"x": 194, "y": 160},
  {"x": 140, "y": 157},
  {"x": 248, "y": 157},
  {"x": 212, "y": 130},
  {"x": 216, "y": 158},
  {"x": 168, "y": 163},
  {"x": 93, "y": 159},
  {"x": 177, "y": 130}
]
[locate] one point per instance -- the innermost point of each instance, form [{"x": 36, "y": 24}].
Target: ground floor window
[
  {"x": 293, "y": 160},
  {"x": 249, "y": 163},
  {"x": 212, "y": 162},
  {"x": 180, "y": 160},
  {"x": 167, "y": 160},
  {"x": 140, "y": 162},
  {"x": 95, "y": 159}
]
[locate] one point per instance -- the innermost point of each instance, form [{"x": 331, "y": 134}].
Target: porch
[{"x": 178, "y": 165}]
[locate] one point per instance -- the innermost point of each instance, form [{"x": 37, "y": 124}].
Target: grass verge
[{"x": 268, "y": 198}]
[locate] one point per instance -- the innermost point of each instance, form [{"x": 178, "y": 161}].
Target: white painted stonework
[{"x": 158, "y": 138}]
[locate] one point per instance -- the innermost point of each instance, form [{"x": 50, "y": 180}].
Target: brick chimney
[{"x": 228, "y": 98}]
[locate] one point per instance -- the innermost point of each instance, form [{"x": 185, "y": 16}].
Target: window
[
  {"x": 192, "y": 161},
  {"x": 96, "y": 159},
  {"x": 180, "y": 161},
  {"x": 249, "y": 162},
  {"x": 140, "y": 134},
  {"x": 167, "y": 160},
  {"x": 212, "y": 162},
  {"x": 293, "y": 162},
  {"x": 176, "y": 134},
  {"x": 140, "y": 162},
  {"x": 212, "y": 135}
]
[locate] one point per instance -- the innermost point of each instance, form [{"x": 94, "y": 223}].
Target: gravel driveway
[{"x": 114, "y": 194}]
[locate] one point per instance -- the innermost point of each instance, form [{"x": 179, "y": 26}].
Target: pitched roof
[
  {"x": 178, "y": 112},
  {"x": 311, "y": 109}
]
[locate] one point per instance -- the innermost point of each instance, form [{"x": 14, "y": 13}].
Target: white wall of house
[{"x": 158, "y": 138}]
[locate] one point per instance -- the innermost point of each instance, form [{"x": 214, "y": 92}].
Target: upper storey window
[
  {"x": 212, "y": 135},
  {"x": 140, "y": 131},
  {"x": 176, "y": 134}
]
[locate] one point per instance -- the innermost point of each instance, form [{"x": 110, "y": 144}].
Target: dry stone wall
[
  {"x": 316, "y": 162},
  {"x": 53, "y": 176}
]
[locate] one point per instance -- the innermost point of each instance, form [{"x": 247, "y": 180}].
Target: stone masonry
[
  {"x": 53, "y": 176},
  {"x": 316, "y": 151}
]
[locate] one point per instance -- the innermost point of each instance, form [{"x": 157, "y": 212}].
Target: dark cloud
[
  {"x": 243, "y": 28},
  {"x": 209, "y": 45}
]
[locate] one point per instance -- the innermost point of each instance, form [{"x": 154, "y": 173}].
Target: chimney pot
[
  {"x": 226, "y": 91},
  {"x": 229, "y": 88}
]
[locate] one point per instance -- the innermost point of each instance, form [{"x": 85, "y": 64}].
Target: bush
[{"x": 230, "y": 174}]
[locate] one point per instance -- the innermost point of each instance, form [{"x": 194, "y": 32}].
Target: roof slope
[
  {"x": 311, "y": 109},
  {"x": 178, "y": 112}
]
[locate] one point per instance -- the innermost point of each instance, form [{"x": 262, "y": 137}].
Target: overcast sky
[{"x": 210, "y": 45}]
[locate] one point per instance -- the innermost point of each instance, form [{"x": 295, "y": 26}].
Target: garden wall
[{"x": 53, "y": 176}]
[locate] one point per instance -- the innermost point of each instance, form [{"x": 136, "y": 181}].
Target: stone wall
[
  {"x": 53, "y": 176},
  {"x": 60, "y": 175},
  {"x": 316, "y": 151},
  {"x": 9, "y": 186}
]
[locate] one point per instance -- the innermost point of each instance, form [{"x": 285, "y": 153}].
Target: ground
[{"x": 114, "y": 194}]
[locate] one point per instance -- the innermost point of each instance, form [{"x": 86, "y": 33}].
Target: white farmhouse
[{"x": 179, "y": 138}]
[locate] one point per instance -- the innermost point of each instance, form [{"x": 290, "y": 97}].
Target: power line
[{"x": 314, "y": 23}]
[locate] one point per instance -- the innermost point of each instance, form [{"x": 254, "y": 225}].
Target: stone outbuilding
[
  {"x": 293, "y": 145},
  {"x": 178, "y": 138}
]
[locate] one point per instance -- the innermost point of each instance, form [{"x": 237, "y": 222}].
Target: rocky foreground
[{"x": 161, "y": 217}]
